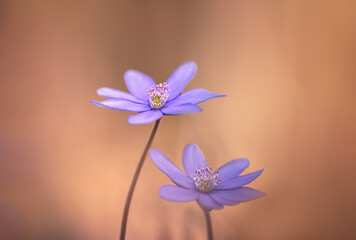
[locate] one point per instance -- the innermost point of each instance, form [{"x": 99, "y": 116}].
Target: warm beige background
[{"x": 288, "y": 68}]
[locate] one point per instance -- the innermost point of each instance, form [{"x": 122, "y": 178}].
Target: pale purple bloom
[
  {"x": 210, "y": 190},
  {"x": 152, "y": 100}
]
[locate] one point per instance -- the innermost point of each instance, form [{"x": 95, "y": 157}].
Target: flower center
[
  {"x": 158, "y": 95},
  {"x": 204, "y": 181}
]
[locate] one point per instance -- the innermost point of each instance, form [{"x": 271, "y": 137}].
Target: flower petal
[
  {"x": 138, "y": 83},
  {"x": 235, "y": 196},
  {"x": 122, "y": 105},
  {"x": 238, "y": 181},
  {"x": 181, "y": 109},
  {"x": 170, "y": 169},
  {"x": 145, "y": 117},
  {"x": 178, "y": 194},
  {"x": 233, "y": 168},
  {"x": 221, "y": 200},
  {"x": 193, "y": 159},
  {"x": 207, "y": 202},
  {"x": 194, "y": 96},
  {"x": 180, "y": 78},
  {"x": 114, "y": 93}
]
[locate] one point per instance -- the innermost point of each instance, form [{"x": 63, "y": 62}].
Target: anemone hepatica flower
[
  {"x": 152, "y": 100},
  {"x": 212, "y": 190}
]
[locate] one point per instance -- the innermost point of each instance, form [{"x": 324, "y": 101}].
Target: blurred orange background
[{"x": 288, "y": 68}]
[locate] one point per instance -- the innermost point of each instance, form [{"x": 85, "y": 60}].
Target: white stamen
[
  {"x": 158, "y": 95},
  {"x": 204, "y": 181}
]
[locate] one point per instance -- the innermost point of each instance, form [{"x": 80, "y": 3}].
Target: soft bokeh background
[{"x": 288, "y": 68}]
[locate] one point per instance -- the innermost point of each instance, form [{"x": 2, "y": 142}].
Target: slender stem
[
  {"x": 134, "y": 181},
  {"x": 209, "y": 229}
]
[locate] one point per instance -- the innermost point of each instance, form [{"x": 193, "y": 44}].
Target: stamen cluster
[
  {"x": 204, "y": 181},
  {"x": 158, "y": 95}
]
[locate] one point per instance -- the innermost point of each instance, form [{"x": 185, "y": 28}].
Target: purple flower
[
  {"x": 153, "y": 101},
  {"x": 211, "y": 190}
]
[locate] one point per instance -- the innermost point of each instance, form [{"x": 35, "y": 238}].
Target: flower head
[
  {"x": 158, "y": 95},
  {"x": 212, "y": 190},
  {"x": 152, "y": 100},
  {"x": 204, "y": 180}
]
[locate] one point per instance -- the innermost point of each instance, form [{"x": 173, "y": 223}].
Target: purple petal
[
  {"x": 233, "y": 168},
  {"x": 238, "y": 181},
  {"x": 145, "y": 117},
  {"x": 181, "y": 109},
  {"x": 177, "y": 194},
  {"x": 235, "y": 196},
  {"x": 138, "y": 83},
  {"x": 114, "y": 93},
  {"x": 193, "y": 159},
  {"x": 207, "y": 202},
  {"x": 221, "y": 200},
  {"x": 122, "y": 105},
  {"x": 194, "y": 96},
  {"x": 180, "y": 78},
  {"x": 170, "y": 169}
]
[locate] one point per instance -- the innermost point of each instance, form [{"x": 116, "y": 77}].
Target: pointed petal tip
[
  {"x": 199, "y": 109},
  {"x": 96, "y": 103},
  {"x": 112, "y": 93},
  {"x": 215, "y": 95},
  {"x": 255, "y": 194},
  {"x": 121, "y": 105},
  {"x": 194, "y": 96},
  {"x": 231, "y": 181},
  {"x": 259, "y": 172}
]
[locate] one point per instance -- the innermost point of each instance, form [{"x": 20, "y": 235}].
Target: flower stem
[
  {"x": 134, "y": 180},
  {"x": 209, "y": 229}
]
